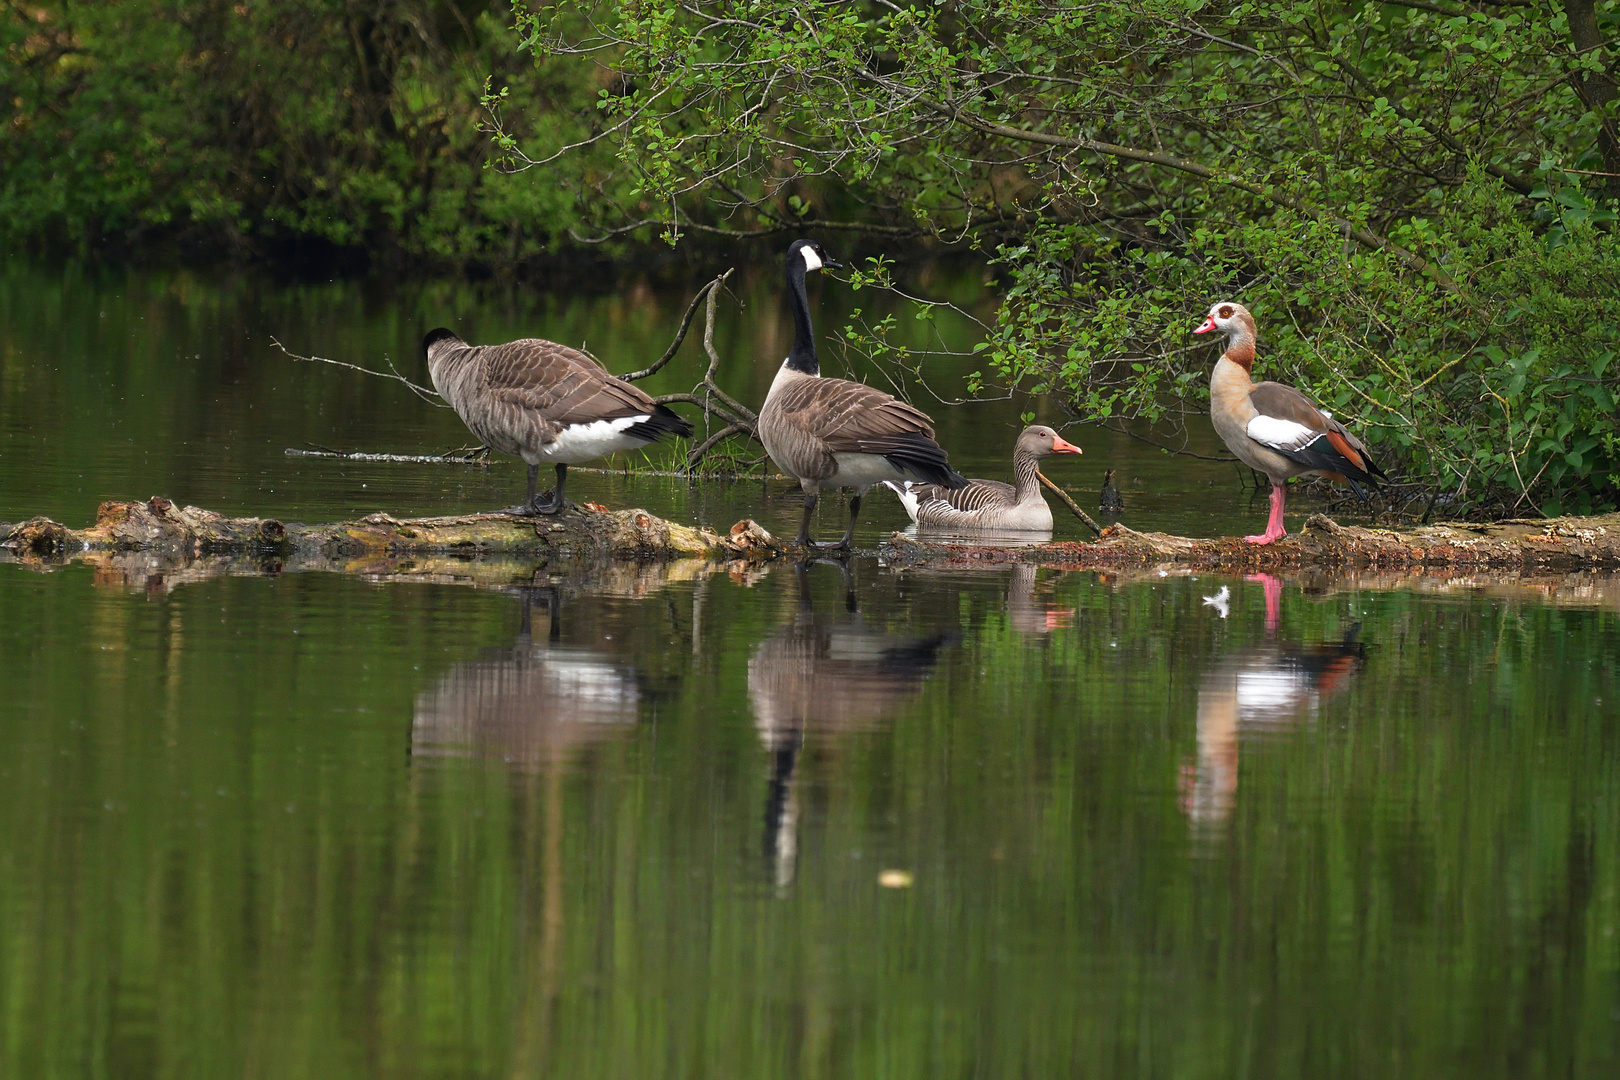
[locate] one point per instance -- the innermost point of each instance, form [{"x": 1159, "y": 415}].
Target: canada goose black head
[
  {"x": 434, "y": 337},
  {"x": 806, "y": 255}
]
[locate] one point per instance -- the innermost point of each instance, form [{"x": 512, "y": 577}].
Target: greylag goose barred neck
[
  {"x": 833, "y": 433},
  {"x": 991, "y": 504},
  {"x": 541, "y": 401},
  {"x": 1274, "y": 428}
]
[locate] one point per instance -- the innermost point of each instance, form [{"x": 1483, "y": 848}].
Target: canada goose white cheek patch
[
  {"x": 1283, "y": 434},
  {"x": 812, "y": 261}
]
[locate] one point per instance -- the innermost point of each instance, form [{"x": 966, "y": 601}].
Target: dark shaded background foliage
[{"x": 343, "y": 128}]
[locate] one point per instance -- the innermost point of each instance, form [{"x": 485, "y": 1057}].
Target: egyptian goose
[
  {"x": 1274, "y": 428},
  {"x": 542, "y": 401},
  {"x": 833, "y": 433},
  {"x": 1262, "y": 690},
  {"x": 991, "y": 504}
]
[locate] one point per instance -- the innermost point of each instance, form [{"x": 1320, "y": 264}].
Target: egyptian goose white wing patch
[{"x": 1281, "y": 434}]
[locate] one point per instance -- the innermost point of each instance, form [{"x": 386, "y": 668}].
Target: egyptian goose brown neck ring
[
  {"x": 542, "y": 401},
  {"x": 833, "y": 433},
  {"x": 991, "y": 504},
  {"x": 1273, "y": 428}
]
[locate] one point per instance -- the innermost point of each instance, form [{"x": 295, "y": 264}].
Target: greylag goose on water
[
  {"x": 833, "y": 433},
  {"x": 991, "y": 504},
  {"x": 541, "y": 401},
  {"x": 1274, "y": 428}
]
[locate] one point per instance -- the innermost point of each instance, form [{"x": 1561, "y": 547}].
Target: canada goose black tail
[
  {"x": 663, "y": 421},
  {"x": 924, "y": 459}
]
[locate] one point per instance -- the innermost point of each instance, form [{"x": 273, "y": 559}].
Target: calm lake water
[{"x": 658, "y": 821}]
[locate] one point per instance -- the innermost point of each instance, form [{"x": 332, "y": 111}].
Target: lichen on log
[{"x": 159, "y": 526}]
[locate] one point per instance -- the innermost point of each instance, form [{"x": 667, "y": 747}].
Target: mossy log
[
  {"x": 159, "y": 530},
  {"x": 1323, "y": 544},
  {"x": 159, "y": 527}
]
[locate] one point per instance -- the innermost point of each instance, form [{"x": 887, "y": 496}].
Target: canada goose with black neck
[
  {"x": 834, "y": 433},
  {"x": 541, "y": 401}
]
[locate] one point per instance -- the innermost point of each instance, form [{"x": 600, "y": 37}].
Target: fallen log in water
[
  {"x": 158, "y": 527},
  {"x": 1556, "y": 543},
  {"x": 162, "y": 530}
]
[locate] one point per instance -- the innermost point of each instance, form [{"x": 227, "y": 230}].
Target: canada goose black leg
[
  {"x": 552, "y": 502},
  {"x": 849, "y": 533},
  {"x": 526, "y": 507},
  {"x": 803, "y": 539}
]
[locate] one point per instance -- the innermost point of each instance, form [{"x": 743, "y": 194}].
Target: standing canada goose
[
  {"x": 991, "y": 504},
  {"x": 542, "y": 401},
  {"x": 833, "y": 433},
  {"x": 1273, "y": 428}
]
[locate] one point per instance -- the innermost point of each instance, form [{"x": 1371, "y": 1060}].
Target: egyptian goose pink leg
[{"x": 1274, "y": 527}]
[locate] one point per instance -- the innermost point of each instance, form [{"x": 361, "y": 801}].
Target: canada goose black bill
[
  {"x": 833, "y": 433},
  {"x": 542, "y": 401}
]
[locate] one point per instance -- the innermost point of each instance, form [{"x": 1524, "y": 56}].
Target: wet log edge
[{"x": 158, "y": 525}]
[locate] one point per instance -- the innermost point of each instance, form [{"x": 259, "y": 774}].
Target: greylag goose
[
  {"x": 1273, "y": 428},
  {"x": 541, "y": 401},
  {"x": 833, "y": 433},
  {"x": 991, "y": 504}
]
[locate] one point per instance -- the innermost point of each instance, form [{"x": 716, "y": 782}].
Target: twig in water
[
  {"x": 429, "y": 396},
  {"x": 1070, "y": 503}
]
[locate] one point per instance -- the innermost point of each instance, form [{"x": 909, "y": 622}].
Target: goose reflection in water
[
  {"x": 1264, "y": 690},
  {"x": 825, "y": 677},
  {"x": 529, "y": 705}
]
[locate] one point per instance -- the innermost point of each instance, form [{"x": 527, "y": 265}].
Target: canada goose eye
[{"x": 1225, "y": 312}]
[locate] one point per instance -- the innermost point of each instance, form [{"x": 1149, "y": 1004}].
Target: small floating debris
[
  {"x": 1221, "y": 601},
  {"x": 895, "y": 879}
]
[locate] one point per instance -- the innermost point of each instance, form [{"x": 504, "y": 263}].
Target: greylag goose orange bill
[
  {"x": 991, "y": 504},
  {"x": 833, "y": 433},
  {"x": 544, "y": 402},
  {"x": 1273, "y": 428}
]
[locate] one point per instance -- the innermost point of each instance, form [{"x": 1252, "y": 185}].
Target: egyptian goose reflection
[
  {"x": 530, "y": 705},
  {"x": 820, "y": 677},
  {"x": 1263, "y": 690}
]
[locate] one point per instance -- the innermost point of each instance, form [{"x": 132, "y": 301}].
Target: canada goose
[
  {"x": 833, "y": 433},
  {"x": 529, "y": 705},
  {"x": 1274, "y": 428},
  {"x": 541, "y": 401},
  {"x": 819, "y": 677},
  {"x": 991, "y": 504}
]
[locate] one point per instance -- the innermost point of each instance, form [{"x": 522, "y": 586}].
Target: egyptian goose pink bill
[
  {"x": 833, "y": 433},
  {"x": 991, "y": 504},
  {"x": 1274, "y": 428},
  {"x": 541, "y": 401}
]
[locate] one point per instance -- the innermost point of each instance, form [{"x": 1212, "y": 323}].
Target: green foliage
[
  {"x": 1399, "y": 192},
  {"x": 351, "y": 123}
]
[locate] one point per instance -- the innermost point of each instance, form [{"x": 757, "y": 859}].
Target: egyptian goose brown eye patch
[{"x": 1226, "y": 313}]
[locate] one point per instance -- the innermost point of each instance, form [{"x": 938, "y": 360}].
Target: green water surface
[{"x": 660, "y": 823}]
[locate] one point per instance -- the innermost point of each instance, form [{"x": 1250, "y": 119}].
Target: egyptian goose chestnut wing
[
  {"x": 837, "y": 416},
  {"x": 1294, "y": 426}
]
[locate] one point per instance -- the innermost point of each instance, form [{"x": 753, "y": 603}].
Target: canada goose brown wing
[
  {"x": 844, "y": 417},
  {"x": 561, "y": 384}
]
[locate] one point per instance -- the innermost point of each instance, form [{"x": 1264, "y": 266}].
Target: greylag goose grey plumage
[
  {"x": 834, "y": 433},
  {"x": 991, "y": 504},
  {"x": 541, "y": 401},
  {"x": 1273, "y": 428}
]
